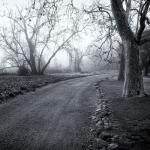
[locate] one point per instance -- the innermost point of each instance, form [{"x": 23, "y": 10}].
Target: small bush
[{"x": 23, "y": 71}]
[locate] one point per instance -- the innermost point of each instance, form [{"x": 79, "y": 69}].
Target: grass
[{"x": 129, "y": 117}]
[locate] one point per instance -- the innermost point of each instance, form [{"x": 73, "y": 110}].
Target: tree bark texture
[
  {"x": 122, "y": 64},
  {"x": 133, "y": 84},
  {"x": 32, "y": 57}
]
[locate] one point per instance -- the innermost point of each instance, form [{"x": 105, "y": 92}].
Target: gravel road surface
[{"x": 55, "y": 117}]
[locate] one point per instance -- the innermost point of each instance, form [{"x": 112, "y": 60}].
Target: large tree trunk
[
  {"x": 32, "y": 57},
  {"x": 70, "y": 62},
  {"x": 77, "y": 67},
  {"x": 133, "y": 84},
  {"x": 122, "y": 65},
  {"x": 31, "y": 52},
  {"x": 145, "y": 70}
]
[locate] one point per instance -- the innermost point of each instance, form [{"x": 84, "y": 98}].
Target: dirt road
[{"x": 55, "y": 117}]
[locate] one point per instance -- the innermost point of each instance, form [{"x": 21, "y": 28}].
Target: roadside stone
[
  {"x": 99, "y": 131},
  {"x": 99, "y": 123},
  {"x": 104, "y": 148},
  {"x": 112, "y": 146},
  {"x": 106, "y": 136},
  {"x": 100, "y": 143},
  {"x": 91, "y": 129},
  {"x": 105, "y": 120},
  {"x": 107, "y": 126},
  {"x": 125, "y": 142},
  {"x": 89, "y": 147},
  {"x": 93, "y": 117},
  {"x": 135, "y": 137},
  {"x": 98, "y": 118},
  {"x": 103, "y": 113},
  {"x": 101, "y": 95},
  {"x": 98, "y": 109},
  {"x": 115, "y": 138}
]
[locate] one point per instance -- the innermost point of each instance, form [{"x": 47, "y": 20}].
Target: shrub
[{"x": 23, "y": 71}]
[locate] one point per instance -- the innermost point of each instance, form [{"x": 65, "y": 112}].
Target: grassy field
[{"x": 11, "y": 85}]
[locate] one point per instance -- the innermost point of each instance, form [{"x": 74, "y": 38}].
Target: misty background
[{"x": 84, "y": 42}]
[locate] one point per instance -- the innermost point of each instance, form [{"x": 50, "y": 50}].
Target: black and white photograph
[{"x": 74, "y": 74}]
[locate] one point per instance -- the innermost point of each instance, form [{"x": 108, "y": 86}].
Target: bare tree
[
  {"x": 36, "y": 33},
  {"x": 104, "y": 49},
  {"x": 23, "y": 38},
  {"x": 133, "y": 84},
  {"x": 131, "y": 37},
  {"x": 76, "y": 56}
]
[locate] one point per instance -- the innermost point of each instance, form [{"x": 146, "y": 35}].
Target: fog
[{"x": 82, "y": 42}]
